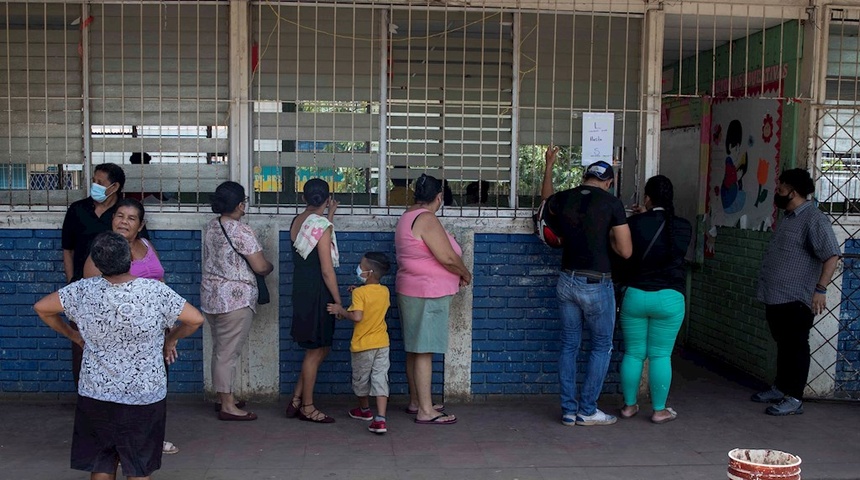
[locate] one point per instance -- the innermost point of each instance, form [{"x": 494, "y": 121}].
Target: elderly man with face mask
[{"x": 797, "y": 267}]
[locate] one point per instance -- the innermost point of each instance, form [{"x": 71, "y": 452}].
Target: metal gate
[{"x": 835, "y": 142}]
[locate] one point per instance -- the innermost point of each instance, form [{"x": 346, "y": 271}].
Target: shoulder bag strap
[
  {"x": 237, "y": 251},
  {"x": 647, "y": 250}
]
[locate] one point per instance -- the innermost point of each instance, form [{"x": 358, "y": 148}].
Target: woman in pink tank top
[{"x": 429, "y": 273}]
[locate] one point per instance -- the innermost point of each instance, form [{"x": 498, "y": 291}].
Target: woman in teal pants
[{"x": 652, "y": 309}]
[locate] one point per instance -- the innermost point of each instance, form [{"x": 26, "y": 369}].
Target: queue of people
[{"x": 122, "y": 315}]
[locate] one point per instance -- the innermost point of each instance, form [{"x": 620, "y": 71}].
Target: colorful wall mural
[{"x": 744, "y": 144}]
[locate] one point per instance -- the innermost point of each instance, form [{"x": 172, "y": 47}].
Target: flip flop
[
  {"x": 672, "y": 415},
  {"x": 630, "y": 415},
  {"x": 414, "y": 411},
  {"x": 436, "y": 420}
]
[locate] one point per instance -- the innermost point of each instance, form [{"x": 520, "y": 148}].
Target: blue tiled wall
[
  {"x": 848, "y": 358},
  {"x": 181, "y": 252},
  {"x": 516, "y": 326},
  {"x": 515, "y": 317},
  {"x": 34, "y": 357}
]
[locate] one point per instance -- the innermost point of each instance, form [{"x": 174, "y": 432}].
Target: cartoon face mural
[{"x": 744, "y": 136}]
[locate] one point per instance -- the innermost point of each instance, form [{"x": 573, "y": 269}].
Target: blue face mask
[
  {"x": 359, "y": 271},
  {"x": 98, "y": 192}
]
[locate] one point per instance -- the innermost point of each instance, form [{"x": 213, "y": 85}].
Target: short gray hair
[{"x": 111, "y": 253}]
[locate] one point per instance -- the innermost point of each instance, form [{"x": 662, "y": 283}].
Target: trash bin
[{"x": 762, "y": 464}]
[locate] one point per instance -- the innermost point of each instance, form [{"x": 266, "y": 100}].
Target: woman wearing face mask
[
  {"x": 228, "y": 290},
  {"x": 430, "y": 271},
  {"x": 315, "y": 257}
]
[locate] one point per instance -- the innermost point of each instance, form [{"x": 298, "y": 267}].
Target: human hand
[
  {"x": 351, "y": 288},
  {"x": 335, "y": 309},
  {"x": 332, "y": 207},
  {"x": 550, "y": 155},
  {"x": 465, "y": 279},
  {"x": 636, "y": 208},
  {"x": 819, "y": 303},
  {"x": 170, "y": 353}
]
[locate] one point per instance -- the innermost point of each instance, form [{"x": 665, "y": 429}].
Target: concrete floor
[{"x": 499, "y": 439}]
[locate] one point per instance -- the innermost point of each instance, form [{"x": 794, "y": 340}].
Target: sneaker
[
  {"x": 788, "y": 406},
  {"x": 768, "y": 396},
  {"x": 568, "y": 420},
  {"x": 360, "y": 414},
  {"x": 377, "y": 426},
  {"x": 597, "y": 418}
]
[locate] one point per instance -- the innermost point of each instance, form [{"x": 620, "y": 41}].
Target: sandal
[
  {"x": 672, "y": 415},
  {"x": 314, "y": 416},
  {"x": 169, "y": 448},
  {"x": 634, "y": 409},
  {"x": 293, "y": 407},
  {"x": 414, "y": 411}
]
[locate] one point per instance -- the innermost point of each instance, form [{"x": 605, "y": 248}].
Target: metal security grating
[
  {"x": 836, "y": 155},
  {"x": 41, "y": 103},
  {"x": 371, "y": 97},
  {"x": 158, "y": 96}
]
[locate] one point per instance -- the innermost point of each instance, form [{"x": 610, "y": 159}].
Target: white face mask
[
  {"x": 97, "y": 192},
  {"x": 359, "y": 272}
]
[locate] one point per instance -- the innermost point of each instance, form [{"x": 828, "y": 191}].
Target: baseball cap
[{"x": 600, "y": 170}]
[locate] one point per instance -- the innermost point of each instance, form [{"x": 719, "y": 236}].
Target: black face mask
[{"x": 781, "y": 201}]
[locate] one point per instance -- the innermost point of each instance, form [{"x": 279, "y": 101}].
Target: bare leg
[
  {"x": 363, "y": 403},
  {"x": 310, "y": 366},
  {"x": 103, "y": 476},
  {"x": 410, "y": 380},
  {"x": 423, "y": 365},
  {"x": 139, "y": 478},
  {"x": 381, "y": 405},
  {"x": 228, "y": 404}
]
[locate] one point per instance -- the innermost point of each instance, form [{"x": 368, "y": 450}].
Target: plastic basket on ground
[{"x": 762, "y": 464}]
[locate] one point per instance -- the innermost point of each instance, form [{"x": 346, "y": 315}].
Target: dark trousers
[
  {"x": 789, "y": 325},
  {"x": 77, "y": 358}
]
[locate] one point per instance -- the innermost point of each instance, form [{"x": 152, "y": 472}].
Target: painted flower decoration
[
  {"x": 717, "y": 134},
  {"x": 126, "y": 310},
  {"x": 767, "y": 129}
]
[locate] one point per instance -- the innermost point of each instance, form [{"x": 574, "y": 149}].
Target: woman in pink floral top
[{"x": 228, "y": 289}]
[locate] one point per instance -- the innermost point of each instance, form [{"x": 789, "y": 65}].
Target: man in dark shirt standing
[
  {"x": 84, "y": 220},
  {"x": 797, "y": 267},
  {"x": 591, "y": 221}
]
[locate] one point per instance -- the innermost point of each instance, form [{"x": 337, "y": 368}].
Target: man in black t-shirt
[
  {"x": 590, "y": 221},
  {"x": 84, "y": 220}
]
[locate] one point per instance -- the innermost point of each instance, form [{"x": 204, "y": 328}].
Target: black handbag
[{"x": 262, "y": 289}]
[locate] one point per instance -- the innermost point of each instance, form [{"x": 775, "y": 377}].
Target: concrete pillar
[
  {"x": 458, "y": 361},
  {"x": 257, "y": 372}
]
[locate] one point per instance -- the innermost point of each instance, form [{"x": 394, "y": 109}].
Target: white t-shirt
[{"x": 123, "y": 329}]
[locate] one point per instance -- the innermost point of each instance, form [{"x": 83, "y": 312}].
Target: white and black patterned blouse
[{"x": 123, "y": 329}]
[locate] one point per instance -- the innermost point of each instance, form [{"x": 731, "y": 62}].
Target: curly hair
[
  {"x": 111, "y": 253},
  {"x": 800, "y": 181}
]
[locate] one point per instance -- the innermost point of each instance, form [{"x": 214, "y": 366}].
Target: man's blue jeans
[{"x": 584, "y": 302}]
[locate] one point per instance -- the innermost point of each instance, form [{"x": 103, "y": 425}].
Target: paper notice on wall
[{"x": 598, "y": 131}]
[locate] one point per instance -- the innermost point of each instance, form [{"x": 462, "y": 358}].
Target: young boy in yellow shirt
[{"x": 370, "y": 343}]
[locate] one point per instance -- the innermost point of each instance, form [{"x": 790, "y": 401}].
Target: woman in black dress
[{"x": 315, "y": 257}]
